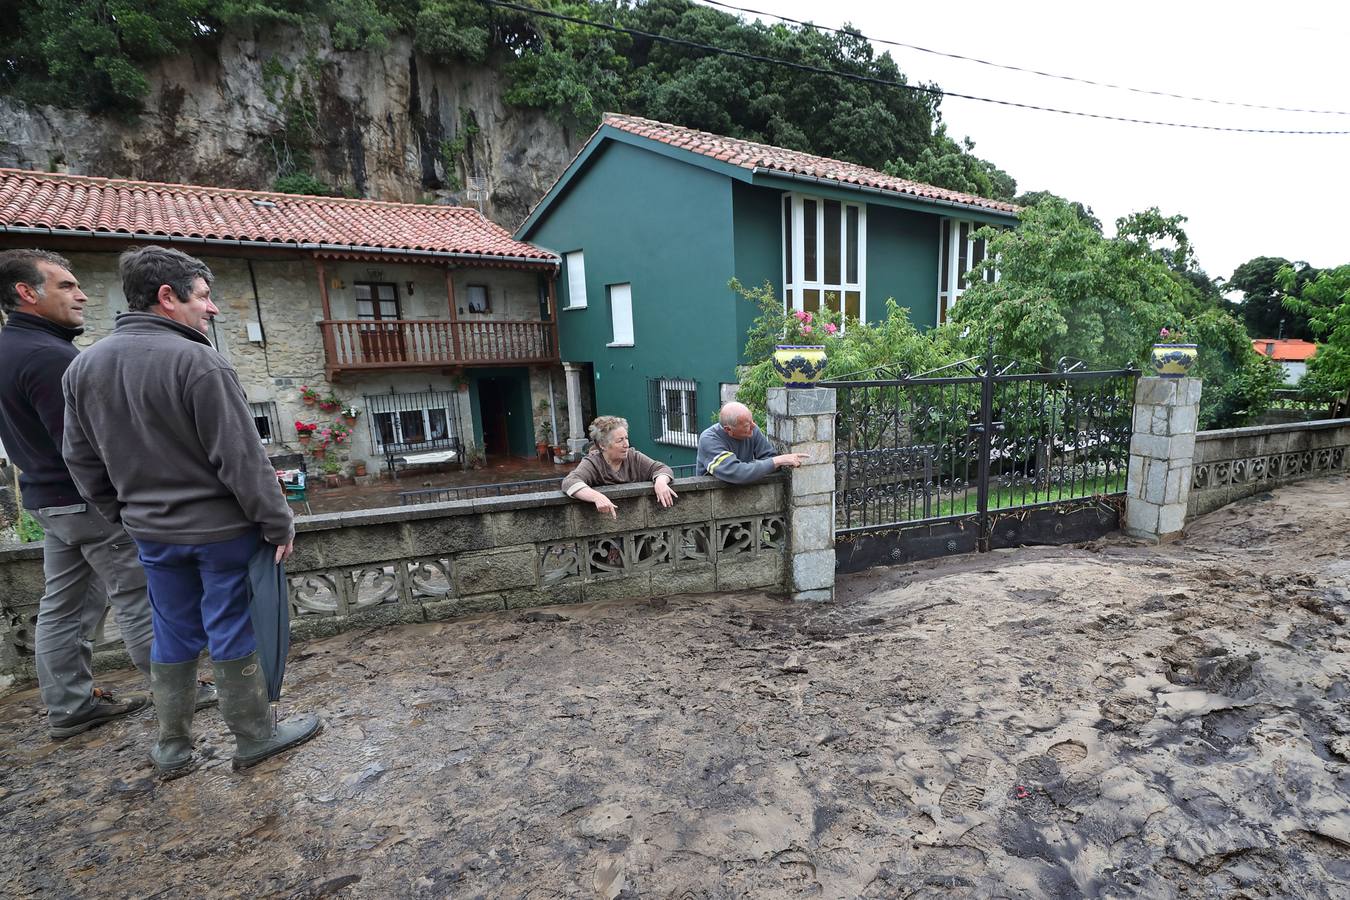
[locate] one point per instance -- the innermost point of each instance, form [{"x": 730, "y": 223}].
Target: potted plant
[
  {"x": 541, "y": 431},
  {"x": 358, "y": 468},
  {"x": 800, "y": 359},
  {"x": 330, "y": 403},
  {"x": 304, "y": 431},
  {"x": 308, "y": 395},
  {"x": 349, "y": 414},
  {"x": 332, "y": 473},
  {"x": 339, "y": 432},
  {"x": 1172, "y": 356}
]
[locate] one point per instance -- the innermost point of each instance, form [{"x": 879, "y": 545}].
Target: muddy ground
[{"x": 1111, "y": 720}]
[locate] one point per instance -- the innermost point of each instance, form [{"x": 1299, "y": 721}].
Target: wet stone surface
[{"x": 1111, "y": 720}]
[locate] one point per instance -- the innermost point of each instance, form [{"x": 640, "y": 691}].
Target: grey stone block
[
  {"x": 1155, "y": 481},
  {"x": 812, "y": 528},
  {"x": 1182, "y": 419},
  {"x": 1183, "y": 447},
  {"x": 825, "y": 427},
  {"x": 1155, "y": 391},
  {"x": 817, "y": 452},
  {"x": 750, "y": 570},
  {"x": 813, "y": 479},
  {"x": 1150, "y": 445},
  {"x": 1191, "y": 389},
  {"x": 734, "y": 501},
  {"x": 525, "y": 525},
  {"x": 818, "y": 596},
  {"x": 813, "y": 570},
  {"x": 781, "y": 429},
  {"x": 777, "y": 400},
  {"x": 582, "y": 519},
  {"x": 635, "y": 587},
  {"x": 690, "y": 506},
  {"x": 696, "y": 579},
  {"x": 526, "y": 598},
  {"x": 1134, "y": 477},
  {"x": 1141, "y": 517},
  {"x": 804, "y": 430},
  {"x": 1171, "y": 518},
  {"x": 487, "y": 571},
  {"x": 809, "y": 401},
  {"x": 1142, "y": 423},
  {"x": 1178, "y": 480},
  {"x": 440, "y": 610},
  {"x": 1159, "y": 423}
]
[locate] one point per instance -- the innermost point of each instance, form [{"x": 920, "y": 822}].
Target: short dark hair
[
  {"x": 20, "y": 267},
  {"x": 144, "y": 269}
]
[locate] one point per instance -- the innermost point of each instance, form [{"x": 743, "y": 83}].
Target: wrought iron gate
[{"x": 976, "y": 456}]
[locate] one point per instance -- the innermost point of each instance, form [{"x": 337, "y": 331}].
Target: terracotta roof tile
[
  {"x": 1285, "y": 349},
  {"x": 110, "y": 205},
  {"x": 750, "y": 155}
]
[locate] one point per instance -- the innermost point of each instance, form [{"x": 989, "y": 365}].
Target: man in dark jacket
[
  {"x": 87, "y": 560},
  {"x": 159, "y": 435}
]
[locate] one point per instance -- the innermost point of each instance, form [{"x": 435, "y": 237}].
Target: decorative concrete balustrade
[
  {"x": 439, "y": 561},
  {"x": 1238, "y": 462}
]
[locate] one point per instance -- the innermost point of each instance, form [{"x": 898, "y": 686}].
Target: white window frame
[
  {"x": 688, "y": 435},
  {"x": 794, "y": 279},
  {"x": 575, "y": 264},
  {"x": 958, "y": 264},
  {"x": 266, "y": 410},
  {"x": 396, "y": 420},
  {"x": 620, "y": 314}
]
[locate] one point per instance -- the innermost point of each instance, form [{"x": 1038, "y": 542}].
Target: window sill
[
  {"x": 619, "y": 345},
  {"x": 678, "y": 439},
  {"x": 570, "y": 308}
]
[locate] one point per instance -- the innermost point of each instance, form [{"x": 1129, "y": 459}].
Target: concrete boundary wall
[
  {"x": 438, "y": 561},
  {"x": 1238, "y": 462}
]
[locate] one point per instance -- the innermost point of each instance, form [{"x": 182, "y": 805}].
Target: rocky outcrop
[{"x": 393, "y": 125}]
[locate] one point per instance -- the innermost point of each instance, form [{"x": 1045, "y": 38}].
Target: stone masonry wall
[
  {"x": 438, "y": 561},
  {"x": 1239, "y": 462}
]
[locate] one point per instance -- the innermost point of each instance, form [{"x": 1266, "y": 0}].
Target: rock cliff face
[{"x": 388, "y": 126}]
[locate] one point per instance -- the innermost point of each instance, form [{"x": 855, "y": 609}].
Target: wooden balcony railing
[{"x": 431, "y": 343}]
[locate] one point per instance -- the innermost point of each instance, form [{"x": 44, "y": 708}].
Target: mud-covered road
[{"x": 1109, "y": 721}]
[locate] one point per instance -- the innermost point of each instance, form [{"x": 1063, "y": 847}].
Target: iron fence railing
[{"x": 497, "y": 489}]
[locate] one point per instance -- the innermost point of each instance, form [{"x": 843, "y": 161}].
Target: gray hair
[
  {"x": 603, "y": 428},
  {"x": 733, "y": 413},
  {"x": 145, "y": 269},
  {"x": 20, "y": 267}
]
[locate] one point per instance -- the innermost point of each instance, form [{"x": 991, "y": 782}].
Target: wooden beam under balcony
[{"x": 353, "y": 345}]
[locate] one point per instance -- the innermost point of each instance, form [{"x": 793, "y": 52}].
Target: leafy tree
[
  {"x": 1325, "y": 300},
  {"x": 1262, "y": 309},
  {"x": 947, "y": 164},
  {"x": 1065, "y": 290},
  {"x": 1084, "y": 213}
]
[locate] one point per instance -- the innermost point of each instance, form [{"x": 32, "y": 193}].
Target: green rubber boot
[
  {"x": 244, "y": 706},
  {"x": 174, "y": 688}
]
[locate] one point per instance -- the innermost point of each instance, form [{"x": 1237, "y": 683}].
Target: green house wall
[
  {"x": 665, "y": 228},
  {"x": 902, "y": 263}
]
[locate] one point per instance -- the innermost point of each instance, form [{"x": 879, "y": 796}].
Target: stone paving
[{"x": 1110, "y": 720}]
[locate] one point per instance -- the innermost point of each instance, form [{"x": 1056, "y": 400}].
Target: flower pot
[
  {"x": 332, "y": 481},
  {"x": 350, "y": 420},
  {"x": 303, "y": 437},
  {"x": 308, "y": 401},
  {"x": 359, "y": 469},
  {"x": 1173, "y": 360},
  {"x": 329, "y": 407},
  {"x": 798, "y": 366},
  {"x": 541, "y": 450},
  {"x": 318, "y": 452}
]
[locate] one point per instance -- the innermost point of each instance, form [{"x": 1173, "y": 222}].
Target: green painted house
[{"x": 653, "y": 220}]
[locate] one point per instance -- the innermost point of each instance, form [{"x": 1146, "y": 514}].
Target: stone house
[
  {"x": 431, "y": 321},
  {"x": 653, "y": 220}
]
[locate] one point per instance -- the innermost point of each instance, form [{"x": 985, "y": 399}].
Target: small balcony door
[{"x": 382, "y": 339}]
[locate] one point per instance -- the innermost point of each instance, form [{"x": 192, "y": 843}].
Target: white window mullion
[
  {"x": 862, "y": 262},
  {"x": 798, "y": 251}
]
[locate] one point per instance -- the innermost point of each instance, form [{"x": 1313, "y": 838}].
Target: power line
[
  {"x": 882, "y": 82},
  {"x": 1009, "y": 68}
]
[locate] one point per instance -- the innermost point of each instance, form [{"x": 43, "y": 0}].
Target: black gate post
[{"x": 986, "y": 432}]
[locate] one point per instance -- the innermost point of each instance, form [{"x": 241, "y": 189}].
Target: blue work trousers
[{"x": 199, "y": 595}]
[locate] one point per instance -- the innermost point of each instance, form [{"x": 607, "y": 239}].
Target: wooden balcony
[{"x": 366, "y": 344}]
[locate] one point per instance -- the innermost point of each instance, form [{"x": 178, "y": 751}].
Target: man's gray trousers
[{"x": 88, "y": 562}]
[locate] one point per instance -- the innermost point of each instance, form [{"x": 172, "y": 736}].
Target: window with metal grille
[
  {"x": 265, "y": 420},
  {"x": 673, "y": 407},
  {"x": 420, "y": 420}
]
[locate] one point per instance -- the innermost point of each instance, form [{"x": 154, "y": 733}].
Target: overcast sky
[{"x": 1245, "y": 195}]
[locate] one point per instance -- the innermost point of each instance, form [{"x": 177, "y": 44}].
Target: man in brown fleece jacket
[{"x": 158, "y": 436}]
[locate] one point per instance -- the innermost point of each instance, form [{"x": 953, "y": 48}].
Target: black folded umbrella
[{"x": 270, "y": 609}]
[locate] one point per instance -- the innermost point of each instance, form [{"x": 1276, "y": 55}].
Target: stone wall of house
[
  {"x": 438, "y": 561},
  {"x": 1238, "y": 462}
]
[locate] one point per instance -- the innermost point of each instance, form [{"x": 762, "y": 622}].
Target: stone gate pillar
[
  {"x": 1166, "y": 412},
  {"x": 801, "y": 420}
]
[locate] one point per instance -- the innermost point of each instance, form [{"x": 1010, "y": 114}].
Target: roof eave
[
  {"x": 899, "y": 198},
  {"x": 551, "y": 260}
]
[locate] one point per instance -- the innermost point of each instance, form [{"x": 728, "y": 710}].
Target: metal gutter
[
  {"x": 277, "y": 245},
  {"x": 868, "y": 189}
]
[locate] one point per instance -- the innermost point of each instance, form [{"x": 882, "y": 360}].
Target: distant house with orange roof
[
  {"x": 432, "y": 321},
  {"x": 1291, "y": 353}
]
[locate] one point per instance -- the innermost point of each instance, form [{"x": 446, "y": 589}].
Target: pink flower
[
  {"x": 802, "y": 316},
  {"x": 1164, "y": 333},
  {"x": 806, "y": 329},
  {"x": 831, "y": 328},
  {"x": 806, "y": 317}
]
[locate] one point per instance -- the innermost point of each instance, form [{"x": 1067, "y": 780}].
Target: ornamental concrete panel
[{"x": 495, "y": 570}]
